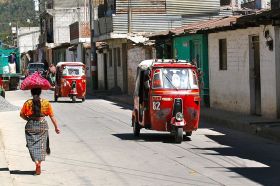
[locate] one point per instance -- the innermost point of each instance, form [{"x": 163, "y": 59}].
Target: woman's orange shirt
[{"x": 46, "y": 108}]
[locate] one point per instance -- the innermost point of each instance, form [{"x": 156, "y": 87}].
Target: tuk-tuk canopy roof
[
  {"x": 146, "y": 64},
  {"x": 69, "y": 63}
]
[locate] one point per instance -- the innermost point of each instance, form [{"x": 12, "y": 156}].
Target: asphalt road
[{"x": 97, "y": 147}]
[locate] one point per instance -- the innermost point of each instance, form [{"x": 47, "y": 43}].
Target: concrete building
[
  {"x": 55, "y": 19},
  {"x": 80, "y": 50},
  {"x": 119, "y": 23},
  {"x": 244, "y": 65},
  {"x": 28, "y": 38}
]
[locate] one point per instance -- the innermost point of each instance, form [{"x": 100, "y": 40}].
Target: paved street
[{"x": 97, "y": 147}]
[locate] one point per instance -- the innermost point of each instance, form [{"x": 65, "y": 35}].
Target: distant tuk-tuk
[
  {"x": 166, "y": 98},
  {"x": 70, "y": 81}
]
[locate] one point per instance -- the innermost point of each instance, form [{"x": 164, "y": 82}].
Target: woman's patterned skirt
[{"x": 36, "y": 133}]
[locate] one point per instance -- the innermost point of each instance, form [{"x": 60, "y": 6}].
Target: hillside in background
[{"x": 15, "y": 11}]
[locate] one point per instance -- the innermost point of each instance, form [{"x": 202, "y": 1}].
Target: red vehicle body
[
  {"x": 166, "y": 98},
  {"x": 70, "y": 81},
  {"x": 2, "y": 91}
]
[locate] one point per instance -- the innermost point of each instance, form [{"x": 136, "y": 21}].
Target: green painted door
[{"x": 194, "y": 48}]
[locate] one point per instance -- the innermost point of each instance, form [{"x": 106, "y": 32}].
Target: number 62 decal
[{"x": 156, "y": 105}]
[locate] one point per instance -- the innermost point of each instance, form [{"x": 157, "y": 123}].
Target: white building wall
[
  {"x": 28, "y": 38},
  {"x": 230, "y": 89},
  {"x": 100, "y": 67},
  {"x": 135, "y": 56},
  {"x": 62, "y": 19}
]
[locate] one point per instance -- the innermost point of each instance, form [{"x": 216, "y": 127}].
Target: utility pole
[
  {"x": 129, "y": 16},
  {"x": 93, "y": 67}
]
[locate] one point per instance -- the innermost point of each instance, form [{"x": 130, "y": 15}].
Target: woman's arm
[
  {"x": 54, "y": 121},
  {"x": 24, "y": 117}
]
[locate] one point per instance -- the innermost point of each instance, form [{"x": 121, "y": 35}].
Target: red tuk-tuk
[
  {"x": 70, "y": 81},
  {"x": 166, "y": 98}
]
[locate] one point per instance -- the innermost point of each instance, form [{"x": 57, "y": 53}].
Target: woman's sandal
[{"x": 38, "y": 169}]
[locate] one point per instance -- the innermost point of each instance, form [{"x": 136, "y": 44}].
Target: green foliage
[{"x": 15, "y": 12}]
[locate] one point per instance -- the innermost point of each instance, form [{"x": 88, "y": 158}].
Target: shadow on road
[
  {"x": 248, "y": 147},
  {"x": 19, "y": 172},
  {"x": 4, "y": 169},
  {"x": 149, "y": 137}
]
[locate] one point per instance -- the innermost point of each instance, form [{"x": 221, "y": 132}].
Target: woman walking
[{"x": 34, "y": 112}]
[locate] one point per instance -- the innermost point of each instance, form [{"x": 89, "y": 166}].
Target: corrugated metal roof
[
  {"x": 206, "y": 25},
  {"x": 192, "y": 7},
  {"x": 200, "y": 26},
  {"x": 145, "y": 23},
  {"x": 195, "y": 19},
  {"x": 141, "y": 6},
  {"x": 170, "y": 7}
]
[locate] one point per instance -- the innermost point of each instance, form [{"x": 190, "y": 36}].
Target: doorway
[{"x": 255, "y": 75}]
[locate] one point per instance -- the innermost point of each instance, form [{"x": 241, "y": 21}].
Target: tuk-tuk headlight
[{"x": 179, "y": 116}]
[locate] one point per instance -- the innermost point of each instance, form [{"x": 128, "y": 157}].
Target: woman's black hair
[{"x": 36, "y": 92}]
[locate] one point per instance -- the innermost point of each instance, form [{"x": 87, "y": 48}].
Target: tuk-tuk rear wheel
[
  {"x": 83, "y": 99},
  {"x": 136, "y": 129},
  {"x": 74, "y": 99},
  {"x": 178, "y": 135}
]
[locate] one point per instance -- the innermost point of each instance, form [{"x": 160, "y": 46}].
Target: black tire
[
  {"x": 3, "y": 94},
  {"x": 74, "y": 99},
  {"x": 189, "y": 133},
  {"x": 178, "y": 135},
  {"x": 136, "y": 129},
  {"x": 83, "y": 99},
  {"x": 55, "y": 97}
]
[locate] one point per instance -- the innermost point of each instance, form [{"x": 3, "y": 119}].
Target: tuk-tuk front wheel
[
  {"x": 136, "y": 129},
  {"x": 74, "y": 99},
  {"x": 178, "y": 135}
]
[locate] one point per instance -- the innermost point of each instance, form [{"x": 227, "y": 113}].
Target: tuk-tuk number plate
[
  {"x": 156, "y": 102},
  {"x": 156, "y": 105}
]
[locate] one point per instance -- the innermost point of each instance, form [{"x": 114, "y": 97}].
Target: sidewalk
[{"x": 256, "y": 125}]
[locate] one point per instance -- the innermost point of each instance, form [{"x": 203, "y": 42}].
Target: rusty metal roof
[
  {"x": 208, "y": 25},
  {"x": 199, "y": 26},
  {"x": 225, "y": 23}
]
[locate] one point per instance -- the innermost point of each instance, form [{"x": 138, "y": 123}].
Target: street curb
[{"x": 242, "y": 124}]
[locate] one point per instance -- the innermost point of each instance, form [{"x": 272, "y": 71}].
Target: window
[
  {"x": 73, "y": 71},
  {"x": 175, "y": 78},
  {"x": 223, "y": 54}
]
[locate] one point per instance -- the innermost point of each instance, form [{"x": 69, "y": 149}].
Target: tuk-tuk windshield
[
  {"x": 175, "y": 78},
  {"x": 73, "y": 71}
]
